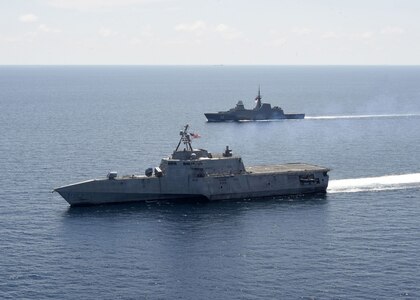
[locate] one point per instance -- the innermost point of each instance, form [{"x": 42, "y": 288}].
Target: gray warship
[
  {"x": 261, "y": 111},
  {"x": 198, "y": 174}
]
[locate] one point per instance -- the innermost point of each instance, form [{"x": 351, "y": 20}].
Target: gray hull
[
  {"x": 256, "y": 182},
  {"x": 249, "y": 116}
]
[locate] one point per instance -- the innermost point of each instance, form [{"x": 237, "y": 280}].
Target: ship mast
[
  {"x": 258, "y": 99},
  {"x": 185, "y": 138}
]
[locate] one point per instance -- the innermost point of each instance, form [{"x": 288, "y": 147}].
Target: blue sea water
[{"x": 61, "y": 125}]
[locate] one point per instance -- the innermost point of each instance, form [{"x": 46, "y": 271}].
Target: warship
[
  {"x": 261, "y": 111},
  {"x": 198, "y": 174}
]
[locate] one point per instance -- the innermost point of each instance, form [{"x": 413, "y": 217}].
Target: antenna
[
  {"x": 185, "y": 138},
  {"x": 258, "y": 98}
]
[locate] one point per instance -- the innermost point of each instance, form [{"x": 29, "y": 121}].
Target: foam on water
[
  {"x": 361, "y": 116},
  {"x": 390, "y": 182}
]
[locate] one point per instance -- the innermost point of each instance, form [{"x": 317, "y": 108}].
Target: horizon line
[{"x": 210, "y": 65}]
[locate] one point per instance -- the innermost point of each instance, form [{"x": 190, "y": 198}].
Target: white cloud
[
  {"x": 10, "y": 39},
  {"x": 278, "y": 42},
  {"x": 366, "y": 35},
  {"x": 227, "y": 32},
  {"x": 352, "y": 36},
  {"x": 135, "y": 41},
  {"x": 330, "y": 35},
  {"x": 198, "y": 27},
  {"x": 28, "y": 18},
  {"x": 393, "y": 30},
  {"x": 45, "y": 28},
  {"x": 301, "y": 30},
  {"x": 222, "y": 28},
  {"x": 145, "y": 34},
  {"x": 277, "y": 38},
  {"x": 106, "y": 32},
  {"x": 146, "y": 31},
  {"x": 25, "y": 38},
  {"x": 85, "y": 5}
]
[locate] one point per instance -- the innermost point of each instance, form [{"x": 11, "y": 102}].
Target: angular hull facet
[{"x": 257, "y": 182}]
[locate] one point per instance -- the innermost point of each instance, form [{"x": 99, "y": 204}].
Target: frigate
[
  {"x": 198, "y": 174},
  {"x": 261, "y": 111}
]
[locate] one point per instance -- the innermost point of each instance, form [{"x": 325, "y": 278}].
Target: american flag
[{"x": 195, "y": 135}]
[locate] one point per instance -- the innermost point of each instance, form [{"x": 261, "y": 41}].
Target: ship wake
[
  {"x": 368, "y": 184},
  {"x": 361, "y": 116}
]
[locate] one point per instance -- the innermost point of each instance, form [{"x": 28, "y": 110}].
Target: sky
[{"x": 209, "y": 32}]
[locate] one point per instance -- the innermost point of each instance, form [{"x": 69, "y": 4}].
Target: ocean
[{"x": 64, "y": 124}]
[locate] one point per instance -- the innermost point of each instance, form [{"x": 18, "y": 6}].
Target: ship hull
[
  {"x": 257, "y": 182},
  {"x": 230, "y": 117}
]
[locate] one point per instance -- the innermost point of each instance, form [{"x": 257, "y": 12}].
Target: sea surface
[{"x": 64, "y": 124}]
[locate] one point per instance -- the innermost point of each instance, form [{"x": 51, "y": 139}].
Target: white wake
[
  {"x": 391, "y": 182},
  {"x": 360, "y": 116}
]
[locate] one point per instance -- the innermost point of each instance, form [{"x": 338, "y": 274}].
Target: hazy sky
[{"x": 293, "y": 32}]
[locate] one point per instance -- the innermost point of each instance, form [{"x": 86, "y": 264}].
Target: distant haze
[{"x": 207, "y": 32}]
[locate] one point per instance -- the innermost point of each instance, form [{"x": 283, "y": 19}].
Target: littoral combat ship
[
  {"x": 261, "y": 111},
  {"x": 199, "y": 174}
]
